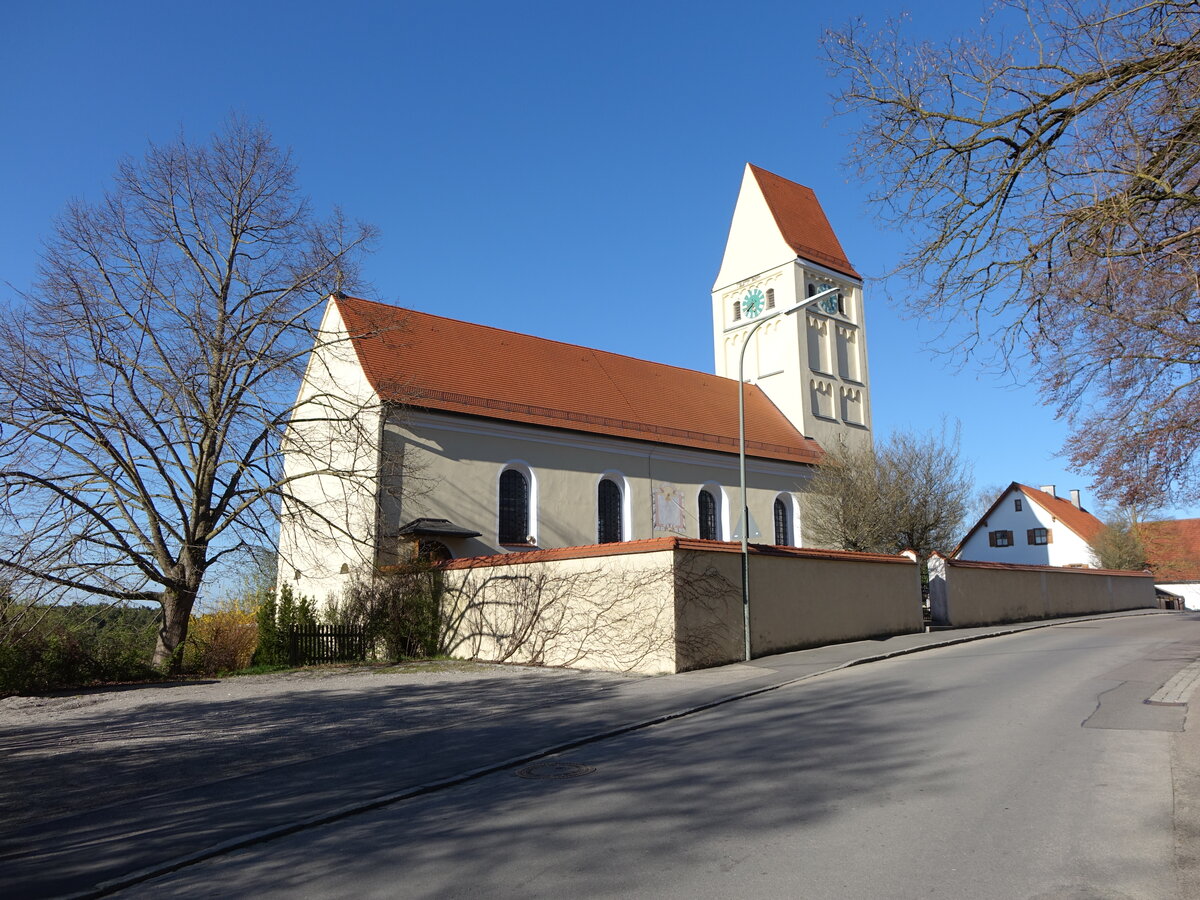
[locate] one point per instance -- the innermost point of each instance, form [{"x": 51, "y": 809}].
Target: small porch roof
[{"x": 436, "y": 528}]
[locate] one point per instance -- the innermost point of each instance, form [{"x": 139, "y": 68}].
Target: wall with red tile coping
[
  {"x": 966, "y": 593},
  {"x": 673, "y": 604}
]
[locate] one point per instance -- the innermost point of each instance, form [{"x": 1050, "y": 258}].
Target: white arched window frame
[
  {"x": 792, "y": 510},
  {"x": 622, "y": 484},
  {"x": 718, "y": 494},
  {"x": 519, "y": 465}
]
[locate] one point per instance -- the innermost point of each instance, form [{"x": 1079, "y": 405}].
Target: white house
[
  {"x": 1032, "y": 526},
  {"x": 467, "y": 440}
]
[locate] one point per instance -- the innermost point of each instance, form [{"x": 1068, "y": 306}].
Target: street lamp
[{"x": 745, "y": 522}]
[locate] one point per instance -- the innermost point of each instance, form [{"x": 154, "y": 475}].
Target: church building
[{"x": 418, "y": 432}]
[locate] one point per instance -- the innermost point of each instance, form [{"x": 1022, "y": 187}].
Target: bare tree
[
  {"x": 1048, "y": 170},
  {"x": 147, "y": 377},
  {"x": 1119, "y": 545},
  {"x": 909, "y": 493},
  {"x": 850, "y": 504}
]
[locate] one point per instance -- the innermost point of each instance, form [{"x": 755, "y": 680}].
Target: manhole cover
[{"x": 555, "y": 770}]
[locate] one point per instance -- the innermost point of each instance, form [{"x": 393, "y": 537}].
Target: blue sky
[{"x": 562, "y": 169}]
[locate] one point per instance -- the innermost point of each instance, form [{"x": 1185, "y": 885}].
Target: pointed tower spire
[
  {"x": 802, "y": 222},
  {"x": 780, "y": 250}
]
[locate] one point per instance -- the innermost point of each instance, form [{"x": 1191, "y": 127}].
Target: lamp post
[{"x": 745, "y": 522}]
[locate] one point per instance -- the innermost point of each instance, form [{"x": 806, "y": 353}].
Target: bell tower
[{"x": 813, "y": 363}]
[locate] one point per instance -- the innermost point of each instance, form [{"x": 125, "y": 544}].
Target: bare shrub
[{"x": 399, "y": 607}]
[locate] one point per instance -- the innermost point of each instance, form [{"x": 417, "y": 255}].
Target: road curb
[{"x": 106, "y": 888}]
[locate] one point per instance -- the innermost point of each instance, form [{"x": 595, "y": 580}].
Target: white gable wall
[
  {"x": 754, "y": 244},
  {"x": 331, "y": 459},
  {"x": 1065, "y": 549}
]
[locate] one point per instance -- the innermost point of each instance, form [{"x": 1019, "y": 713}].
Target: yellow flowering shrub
[{"x": 221, "y": 639}]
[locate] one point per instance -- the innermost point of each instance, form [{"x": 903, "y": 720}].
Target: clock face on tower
[{"x": 752, "y": 303}]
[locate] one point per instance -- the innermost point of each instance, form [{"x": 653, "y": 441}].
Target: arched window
[
  {"x": 783, "y": 530},
  {"x": 786, "y": 516},
  {"x": 608, "y": 512},
  {"x": 708, "y": 515},
  {"x": 812, "y": 289},
  {"x": 514, "y": 507},
  {"x": 434, "y": 551}
]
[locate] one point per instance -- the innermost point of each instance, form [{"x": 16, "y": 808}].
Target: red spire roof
[
  {"x": 431, "y": 362},
  {"x": 802, "y": 221}
]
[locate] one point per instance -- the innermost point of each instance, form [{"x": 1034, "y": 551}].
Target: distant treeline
[{"x": 43, "y": 647}]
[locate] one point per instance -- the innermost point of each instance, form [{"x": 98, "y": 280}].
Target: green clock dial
[
  {"x": 752, "y": 303},
  {"x": 829, "y": 304}
]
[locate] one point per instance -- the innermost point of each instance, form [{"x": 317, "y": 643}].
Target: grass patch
[
  {"x": 261, "y": 669},
  {"x": 440, "y": 664}
]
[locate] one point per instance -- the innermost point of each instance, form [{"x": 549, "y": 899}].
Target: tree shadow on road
[
  {"x": 111, "y": 793},
  {"x": 754, "y": 768}
]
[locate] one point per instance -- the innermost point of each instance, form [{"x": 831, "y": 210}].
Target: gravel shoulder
[{"x": 68, "y": 753}]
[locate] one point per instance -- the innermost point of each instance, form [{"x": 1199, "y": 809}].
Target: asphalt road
[{"x": 1021, "y": 766}]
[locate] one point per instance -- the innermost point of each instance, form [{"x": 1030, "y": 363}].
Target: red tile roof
[
  {"x": 1030, "y": 567},
  {"x": 657, "y": 545},
  {"x": 802, "y": 221},
  {"x": 432, "y": 362},
  {"x": 1173, "y": 549},
  {"x": 1080, "y": 521}
]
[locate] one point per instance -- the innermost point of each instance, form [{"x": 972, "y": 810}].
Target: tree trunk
[{"x": 172, "y": 632}]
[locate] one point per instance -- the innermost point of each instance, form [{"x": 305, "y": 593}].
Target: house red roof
[
  {"x": 802, "y": 221},
  {"x": 432, "y": 362},
  {"x": 1080, "y": 521},
  {"x": 1173, "y": 549}
]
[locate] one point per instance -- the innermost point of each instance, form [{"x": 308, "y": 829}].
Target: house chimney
[
  {"x": 1049, "y": 489},
  {"x": 1075, "y": 499}
]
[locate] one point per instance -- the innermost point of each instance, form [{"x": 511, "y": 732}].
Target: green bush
[
  {"x": 275, "y": 616},
  {"x": 53, "y": 647}
]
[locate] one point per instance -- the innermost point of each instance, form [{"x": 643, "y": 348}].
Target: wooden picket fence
[{"x": 325, "y": 644}]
